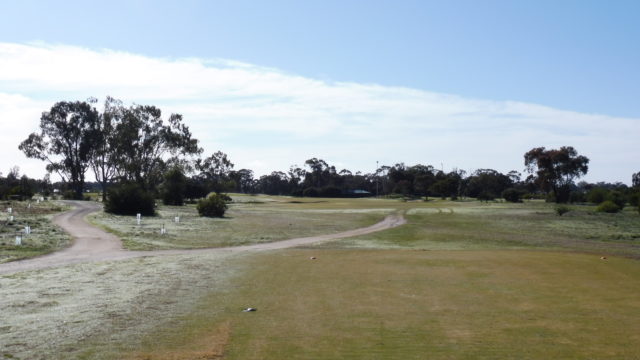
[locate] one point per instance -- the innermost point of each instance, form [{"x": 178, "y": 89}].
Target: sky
[{"x": 453, "y": 84}]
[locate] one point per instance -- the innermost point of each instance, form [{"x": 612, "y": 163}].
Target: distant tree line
[
  {"x": 135, "y": 153},
  {"x": 17, "y": 187}
]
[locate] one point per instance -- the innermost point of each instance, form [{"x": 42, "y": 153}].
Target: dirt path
[{"x": 92, "y": 244}]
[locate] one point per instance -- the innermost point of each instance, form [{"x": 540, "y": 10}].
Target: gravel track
[{"x": 91, "y": 244}]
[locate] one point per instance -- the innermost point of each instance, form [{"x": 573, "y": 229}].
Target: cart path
[{"x": 92, "y": 244}]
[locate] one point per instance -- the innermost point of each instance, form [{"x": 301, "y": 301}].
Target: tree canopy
[
  {"x": 65, "y": 141},
  {"x": 555, "y": 169}
]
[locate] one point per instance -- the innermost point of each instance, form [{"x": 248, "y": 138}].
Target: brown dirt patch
[{"x": 209, "y": 346}]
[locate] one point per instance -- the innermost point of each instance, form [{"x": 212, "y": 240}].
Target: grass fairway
[
  {"x": 249, "y": 220},
  {"x": 473, "y": 225},
  {"x": 403, "y": 304}
]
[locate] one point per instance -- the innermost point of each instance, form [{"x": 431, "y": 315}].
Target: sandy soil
[{"x": 94, "y": 245}]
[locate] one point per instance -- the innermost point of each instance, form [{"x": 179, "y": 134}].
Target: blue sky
[{"x": 526, "y": 73}]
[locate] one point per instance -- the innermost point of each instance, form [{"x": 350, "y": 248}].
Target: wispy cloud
[{"x": 267, "y": 119}]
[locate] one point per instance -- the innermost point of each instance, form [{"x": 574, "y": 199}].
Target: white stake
[
  {"x": 138, "y": 218},
  {"x": 10, "y": 210},
  {"x": 176, "y": 219},
  {"x": 11, "y": 218},
  {"x": 18, "y": 240}
]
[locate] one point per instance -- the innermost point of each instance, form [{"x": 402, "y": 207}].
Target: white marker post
[
  {"x": 29, "y": 206},
  {"x": 27, "y": 230},
  {"x": 10, "y": 210},
  {"x": 176, "y": 219},
  {"x": 18, "y": 239},
  {"x": 163, "y": 231},
  {"x": 138, "y": 218},
  {"x": 11, "y": 218}
]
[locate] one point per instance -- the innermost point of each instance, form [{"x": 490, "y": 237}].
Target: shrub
[
  {"x": 618, "y": 198},
  {"x": 174, "y": 188},
  {"x": 70, "y": 195},
  {"x": 634, "y": 198},
  {"x": 310, "y": 192},
  {"x": 330, "y": 191},
  {"x": 562, "y": 209},
  {"x": 597, "y": 195},
  {"x": 195, "y": 189},
  {"x": 577, "y": 197},
  {"x": 129, "y": 199},
  {"x": 608, "y": 206},
  {"x": 212, "y": 206},
  {"x": 512, "y": 195},
  {"x": 486, "y": 196}
]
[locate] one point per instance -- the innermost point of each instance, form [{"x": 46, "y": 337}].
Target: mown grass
[
  {"x": 403, "y": 304},
  {"x": 473, "y": 225},
  {"x": 462, "y": 280},
  {"x": 249, "y": 220},
  {"x": 44, "y": 238}
]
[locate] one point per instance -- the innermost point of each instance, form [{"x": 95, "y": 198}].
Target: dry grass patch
[
  {"x": 45, "y": 237},
  {"x": 246, "y": 222}
]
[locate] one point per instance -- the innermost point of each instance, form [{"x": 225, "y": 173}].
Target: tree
[
  {"x": 635, "y": 180},
  {"x": 104, "y": 155},
  {"x": 215, "y": 170},
  {"x": 555, "y": 169},
  {"x": 65, "y": 141},
  {"x": 243, "y": 180},
  {"x": 489, "y": 181},
  {"x": 174, "y": 187},
  {"x": 144, "y": 140}
]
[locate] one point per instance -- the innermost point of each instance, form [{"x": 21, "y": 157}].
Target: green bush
[
  {"x": 70, "y": 195},
  {"x": 608, "y": 206},
  {"x": 129, "y": 199},
  {"x": 329, "y": 191},
  {"x": 577, "y": 197},
  {"x": 174, "y": 188},
  {"x": 513, "y": 195},
  {"x": 597, "y": 195},
  {"x": 310, "y": 192},
  {"x": 212, "y": 206},
  {"x": 562, "y": 209},
  {"x": 486, "y": 196},
  {"x": 618, "y": 198},
  {"x": 226, "y": 198}
]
